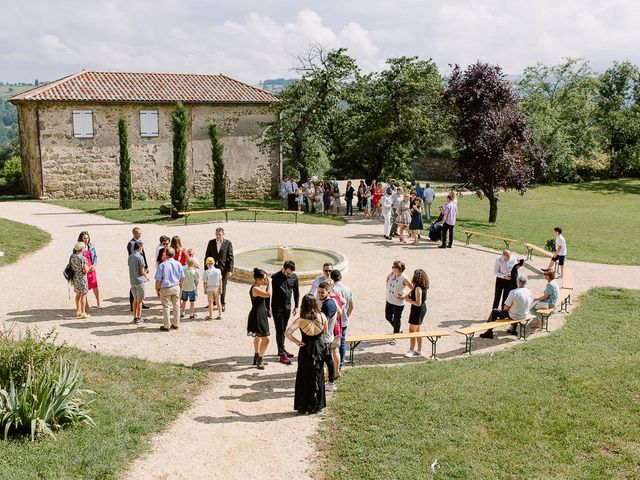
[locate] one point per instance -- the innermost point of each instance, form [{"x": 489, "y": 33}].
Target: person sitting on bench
[{"x": 516, "y": 307}]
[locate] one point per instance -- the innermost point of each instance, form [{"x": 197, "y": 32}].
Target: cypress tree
[
  {"x": 179, "y": 197},
  {"x": 217, "y": 150},
  {"x": 125, "y": 167}
]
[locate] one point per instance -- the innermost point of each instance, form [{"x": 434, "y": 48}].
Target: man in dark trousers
[
  {"x": 221, "y": 250},
  {"x": 137, "y": 235},
  {"x": 283, "y": 284}
]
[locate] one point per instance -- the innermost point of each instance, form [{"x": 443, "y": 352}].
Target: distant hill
[
  {"x": 8, "y": 115},
  {"x": 275, "y": 85}
]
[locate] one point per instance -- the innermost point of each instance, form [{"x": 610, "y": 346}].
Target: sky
[{"x": 256, "y": 40}]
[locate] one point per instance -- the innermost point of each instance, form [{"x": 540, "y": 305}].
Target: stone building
[{"x": 69, "y": 134}]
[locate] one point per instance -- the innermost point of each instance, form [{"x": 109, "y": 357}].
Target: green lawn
[
  {"x": 134, "y": 400},
  {"x": 148, "y": 211},
  {"x": 561, "y": 407},
  {"x": 18, "y": 238},
  {"x": 599, "y": 219}
]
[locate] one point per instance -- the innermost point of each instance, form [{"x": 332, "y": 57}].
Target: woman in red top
[
  {"x": 182, "y": 255},
  {"x": 375, "y": 200}
]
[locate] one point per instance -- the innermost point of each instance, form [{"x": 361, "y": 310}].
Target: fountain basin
[{"x": 309, "y": 261}]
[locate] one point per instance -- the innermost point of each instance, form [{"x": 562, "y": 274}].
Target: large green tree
[
  {"x": 492, "y": 133},
  {"x": 217, "y": 160},
  {"x": 305, "y": 106},
  {"x": 618, "y": 114},
  {"x": 558, "y": 102},
  {"x": 126, "y": 194},
  {"x": 179, "y": 195},
  {"x": 387, "y": 120}
]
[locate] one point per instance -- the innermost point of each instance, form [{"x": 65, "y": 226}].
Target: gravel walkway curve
[{"x": 243, "y": 424}]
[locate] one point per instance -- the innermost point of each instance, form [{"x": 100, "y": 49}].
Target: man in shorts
[
  {"x": 561, "y": 252},
  {"x": 138, "y": 276}
]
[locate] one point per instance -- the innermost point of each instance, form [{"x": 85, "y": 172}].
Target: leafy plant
[
  {"x": 551, "y": 245},
  {"x": 40, "y": 391},
  {"x": 217, "y": 151},
  {"x": 179, "y": 196},
  {"x": 12, "y": 171},
  {"x": 125, "y": 167},
  {"x": 142, "y": 196}
]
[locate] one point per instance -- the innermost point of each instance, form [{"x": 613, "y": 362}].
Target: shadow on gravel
[
  {"x": 239, "y": 417},
  {"x": 227, "y": 364}
]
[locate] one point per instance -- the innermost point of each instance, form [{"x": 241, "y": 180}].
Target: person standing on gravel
[
  {"x": 221, "y": 250},
  {"x": 137, "y": 235},
  {"x": 138, "y": 277},
  {"x": 283, "y": 284},
  {"x": 449, "y": 221},
  {"x": 346, "y": 294},
  {"x": 169, "y": 280}
]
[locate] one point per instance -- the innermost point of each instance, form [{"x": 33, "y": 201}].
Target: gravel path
[{"x": 243, "y": 424}]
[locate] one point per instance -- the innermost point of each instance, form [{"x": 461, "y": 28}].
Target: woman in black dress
[
  {"x": 258, "y": 322},
  {"x": 310, "y": 393},
  {"x": 416, "y": 220},
  {"x": 417, "y": 297}
]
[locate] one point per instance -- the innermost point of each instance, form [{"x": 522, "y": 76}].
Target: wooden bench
[
  {"x": 567, "y": 278},
  {"x": 564, "y": 299},
  {"x": 534, "y": 248},
  {"x": 470, "y": 331},
  {"x": 226, "y": 211},
  {"x": 258, "y": 210},
  {"x": 432, "y": 336},
  {"x": 471, "y": 233}
]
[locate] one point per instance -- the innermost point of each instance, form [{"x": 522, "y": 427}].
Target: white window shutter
[
  {"x": 144, "y": 124},
  {"x": 88, "y": 124},
  {"x": 77, "y": 124},
  {"x": 153, "y": 123}
]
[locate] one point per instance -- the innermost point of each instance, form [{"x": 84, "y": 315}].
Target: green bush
[
  {"x": 40, "y": 390},
  {"x": 162, "y": 196},
  {"x": 551, "y": 245},
  {"x": 12, "y": 171},
  {"x": 142, "y": 196}
]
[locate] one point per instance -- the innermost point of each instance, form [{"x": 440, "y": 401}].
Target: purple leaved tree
[{"x": 494, "y": 146}]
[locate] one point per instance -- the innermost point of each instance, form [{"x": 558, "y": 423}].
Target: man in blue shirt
[{"x": 169, "y": 278}]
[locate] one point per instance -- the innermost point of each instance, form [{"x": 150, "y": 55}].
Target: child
[
  {"x": 192, "y": 254},
  {"x": 191, "y": 277},
  {"x": 299, "y": 198},
  {"x": 212, "y": 280}
]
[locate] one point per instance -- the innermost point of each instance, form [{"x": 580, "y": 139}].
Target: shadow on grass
[
  {"x": 240, "y": 417},
  {"x": 627, "y": 186}
]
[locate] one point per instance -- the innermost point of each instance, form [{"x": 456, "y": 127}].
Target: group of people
[
  {"x": 83, "y": 263},
  {"x": 512, "y": 299},
  {"x": 314, "y": 196},
  {"x": 322, "y": 320}
]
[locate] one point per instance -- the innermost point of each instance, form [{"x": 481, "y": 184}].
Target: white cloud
[{"x": 252, "y": 41}]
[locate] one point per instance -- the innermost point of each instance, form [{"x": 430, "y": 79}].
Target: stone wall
[
  {"x": 30, "y": 150},
  {"x": 88, "y": 167},
  {"x": 430, "y": 168}
]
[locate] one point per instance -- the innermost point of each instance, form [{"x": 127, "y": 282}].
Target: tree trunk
[{"x": 493, "y": 206}]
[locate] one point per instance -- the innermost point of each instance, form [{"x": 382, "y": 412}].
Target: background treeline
[{"x": 337, "y": 121}]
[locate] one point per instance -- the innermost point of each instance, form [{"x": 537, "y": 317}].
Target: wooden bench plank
[
  {"x": 431, "y": 335},
  {"x": 567, "y": 278},
  {"x": 226, "y": 211},
  {"x": 471, "y": 330},
  {"x": 531, "y": 248},
  {"x": 258, "y": 210},
  {"x": 470, "y": 233}
]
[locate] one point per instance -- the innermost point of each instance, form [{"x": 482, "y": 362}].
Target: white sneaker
[
  {"x": 392, "y": 342},
  {"x": 409, "y": 354},
  {"x": 331, "y": 387}
]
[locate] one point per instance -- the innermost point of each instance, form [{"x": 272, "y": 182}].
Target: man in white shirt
[
  {"x": 561, "y": 252},
  {"x": 502, "y": 270},
  {"x": 429, "y": 195},
  {"x": 327, "y": 268},
  {"x": 448, "y": 222},
  {"x": 386, "y": 203},
  {"x": 516, "y": 307},
  {"x": 397, "y": 197}
]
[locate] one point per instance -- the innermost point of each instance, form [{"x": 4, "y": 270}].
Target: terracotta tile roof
[{"x": 87, "y": 86}]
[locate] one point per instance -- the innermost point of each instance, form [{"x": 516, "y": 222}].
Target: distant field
[{"x": 5, "y": 93}]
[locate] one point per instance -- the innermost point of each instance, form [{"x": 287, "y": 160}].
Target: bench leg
[
  {"x": 506, "y": 242},
  {"x": 522, "y": 331},
  {"x": 467, "y": 342},
  {"x": 185, "y": 220},
  {"x": 529, "y": 254},
  {"x": 352, "y": 349},
  {"x": 295, "y": 215},
  {"x": 226, "y": 217},
  {"x": 468, "y": 238},
  {"x": 255, "y": 217},
  {"x": 556, "y": 268},
  {"x": 433, "y": 341}
]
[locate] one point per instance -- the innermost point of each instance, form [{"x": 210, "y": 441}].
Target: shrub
[
  {"x": 126, "y": 193},
  {"x": 142, "y": 196},
  {"x": 551, "y": 245},
  {"x": 179, "y": 196},
  {"x": 217, "y": 159},
  {"x": 162, "y": 196},
  {"x": 40, "y": 390},
  {"x": 12, "y": 171}
]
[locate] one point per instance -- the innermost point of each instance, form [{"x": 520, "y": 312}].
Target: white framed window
[
  {"x": 148, "y": 123},
  {"x": 83, "y": 123}
]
